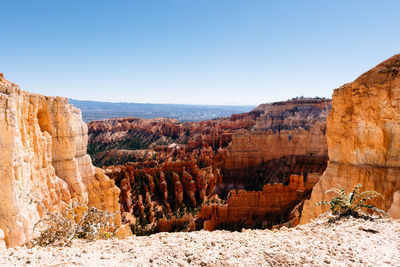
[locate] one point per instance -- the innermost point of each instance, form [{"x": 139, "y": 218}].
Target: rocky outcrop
[
  {"x": 43, "y": 142},
  {"x": 296, "y": 113},
  {"x": 364, "y": 138}
]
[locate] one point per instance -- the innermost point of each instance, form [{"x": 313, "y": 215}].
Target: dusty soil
[{"x": 346, "y": 242}]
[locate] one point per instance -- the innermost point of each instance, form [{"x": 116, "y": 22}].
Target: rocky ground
[{"x": 323, "y": 242}]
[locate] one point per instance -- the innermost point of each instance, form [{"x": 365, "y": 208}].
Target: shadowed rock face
[
  {"x": 364, "y": 138},
  {"x": 260, "y": 209},
  {"x": 244, "y": 152},
  {"x": 43, "y": 153}
]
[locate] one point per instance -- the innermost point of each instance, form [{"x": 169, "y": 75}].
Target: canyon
[
  {"x": 251, "y": 169},
  {"x": 261, "y": 169},
  {"x": 270, "y": 150}
]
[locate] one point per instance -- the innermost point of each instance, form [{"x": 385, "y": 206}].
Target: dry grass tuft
[{"x": 76, "y": 221}]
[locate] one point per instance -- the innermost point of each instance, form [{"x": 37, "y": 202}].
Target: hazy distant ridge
[{"x": 94, "y": 110}]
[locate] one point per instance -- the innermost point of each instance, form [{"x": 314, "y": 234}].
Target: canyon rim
[{"x": 261, "y": 169}]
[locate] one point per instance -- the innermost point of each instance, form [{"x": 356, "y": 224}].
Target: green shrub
[{"x": 350, "y": 204}]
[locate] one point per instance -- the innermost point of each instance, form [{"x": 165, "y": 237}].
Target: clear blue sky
[{"x": 192, "y": 51}]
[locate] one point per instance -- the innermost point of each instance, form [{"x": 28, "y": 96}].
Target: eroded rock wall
[
  {"x": 255, "y": 148},
  {"x": 259, "y": 209},
  {"x": 364, "y": 138},
  {"x": 43, "y": 143}
]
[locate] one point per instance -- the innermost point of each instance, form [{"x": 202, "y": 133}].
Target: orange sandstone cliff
[
  {"x": 364, "y": 139},
  {"x": 43, "y": 144}
]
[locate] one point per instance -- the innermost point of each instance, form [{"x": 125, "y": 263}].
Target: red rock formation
[
  {"x": 186, "y": 224},
  {"x": 245, "y": 151},
  {"x": 255, "y": 208},
  {"x": 161, "y": 191},
  {"x": 255, "y": 148},
  {"x": 301, "y": 120},
  {"x": 134, "y": 133}
]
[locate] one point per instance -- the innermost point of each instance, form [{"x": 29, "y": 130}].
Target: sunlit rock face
[
  {"x": 364, "y": 138},
  {"x": 43, "y": 143}
]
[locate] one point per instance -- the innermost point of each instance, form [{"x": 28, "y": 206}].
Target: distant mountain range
[{"x": 94, "y": 110}]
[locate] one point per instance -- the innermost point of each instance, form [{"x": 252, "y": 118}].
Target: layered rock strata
[
  {"x": 260, "y": 209},
  {"x": 43, "y": 143},
  {"x": 297, "y": 126},
  {"x": 364, "y": 138},
  {"x": 255, "y": 148}
]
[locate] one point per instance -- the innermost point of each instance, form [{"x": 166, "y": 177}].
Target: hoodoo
[
  {"x": 43, "y": 144},
  {"x": 364, "y": 139},
  {"x": 272, "y": 155}
]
